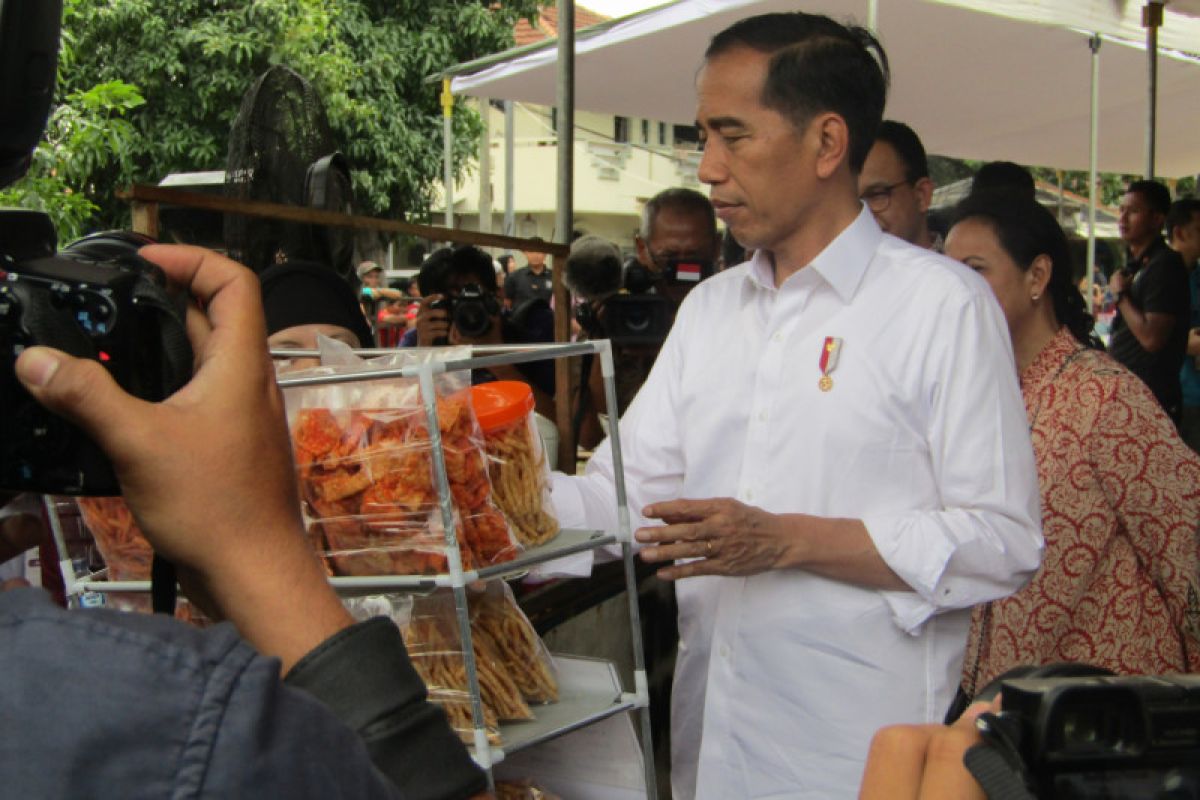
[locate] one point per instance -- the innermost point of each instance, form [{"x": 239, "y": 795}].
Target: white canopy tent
[{"x": 980, "y": 82}]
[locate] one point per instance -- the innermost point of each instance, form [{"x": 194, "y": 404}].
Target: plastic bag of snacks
[
  {"x": 516, "y": 461},
  {"x": 495, "y": 615},
  {"x": 124, "y": 549},
  {"x": 435, "y": 649},
  {"x": 524, "y": 789},
  {"x": 365, "y": 464}
]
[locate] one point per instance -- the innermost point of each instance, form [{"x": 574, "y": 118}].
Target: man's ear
[
  {"x": 643, "y": 251},
  {"x": 924, "y": 189},
  {"x": 833, "y": 143}
]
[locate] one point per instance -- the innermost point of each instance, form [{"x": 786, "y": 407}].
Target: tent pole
[
  {"x": 1093, "y": 156},
  {"x": 485, "y": 166},
  {"x": 509, "y": 170},
  {"x": 873, "y": 16},
  {"x": 448, "y": 150},
  {"x": 1152, "y": 18},
  {"x": 565, "y": 102}
]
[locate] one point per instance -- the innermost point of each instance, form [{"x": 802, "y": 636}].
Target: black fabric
[
  {"x": 307, "y": 293},
  {"x": 531, "y": 323},
  {"x": 522, "y": 286},
  {"x": 1159, "y": 285},
  {"x": 364, "y": 676}
]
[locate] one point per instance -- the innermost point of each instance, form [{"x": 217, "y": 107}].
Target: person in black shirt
[
  {"x": 1151, "y": 328},
  {"x": 530, "y": 282}
]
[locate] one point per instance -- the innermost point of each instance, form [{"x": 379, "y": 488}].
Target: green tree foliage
[
  {"x": 86, "y": 134},
  {"x": 192, "y": 60}
]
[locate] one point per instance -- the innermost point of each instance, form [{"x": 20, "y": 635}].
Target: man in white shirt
[{"x": 857, "y": 427}]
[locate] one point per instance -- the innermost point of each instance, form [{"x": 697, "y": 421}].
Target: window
[
  {"x": 662, "y": 134},
  {"x": 645, "y": 131},
  {"x": 554, "y": 119},
  {"x": 621, "y": 129}
]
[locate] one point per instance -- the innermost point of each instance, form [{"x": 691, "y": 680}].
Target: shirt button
[{"x": 725, "y": 652}]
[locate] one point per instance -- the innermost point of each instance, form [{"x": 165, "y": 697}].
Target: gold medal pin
[{"x": 829, "y": 359}]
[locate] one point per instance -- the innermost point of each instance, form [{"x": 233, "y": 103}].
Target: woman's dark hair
[{"x": 1027, "y": 230}]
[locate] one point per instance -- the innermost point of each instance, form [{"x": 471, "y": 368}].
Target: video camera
[
  {"x": 1097, "y": 737},
  {"x": 97, "y": 299},
  {"x": 640, "y": 315}
]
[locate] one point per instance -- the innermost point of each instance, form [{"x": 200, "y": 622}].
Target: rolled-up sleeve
[{"x": 985, "y": 541}]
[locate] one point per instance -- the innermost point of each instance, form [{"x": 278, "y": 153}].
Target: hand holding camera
[{"x": 221, "y": 442}]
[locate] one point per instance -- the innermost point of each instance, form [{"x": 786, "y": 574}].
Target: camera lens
[{"x": 471, "y": 317}]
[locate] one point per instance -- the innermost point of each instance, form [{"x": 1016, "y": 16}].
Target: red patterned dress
[{"x": 1118, "y": 586}]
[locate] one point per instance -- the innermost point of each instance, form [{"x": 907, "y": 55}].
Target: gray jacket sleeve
[{"x": 363, "y": 675}]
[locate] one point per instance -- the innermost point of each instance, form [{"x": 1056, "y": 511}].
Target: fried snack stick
[
  {"x": 519, "y": 647},
  {"x": 518, "y": 483},
  {"x": 125, "y": 550}
]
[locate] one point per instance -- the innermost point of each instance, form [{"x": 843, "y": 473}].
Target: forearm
[
  {"x": 1149, "y": 332},
  {"x": 840, "y": 549},
  {"x": 284, "y": 611}
]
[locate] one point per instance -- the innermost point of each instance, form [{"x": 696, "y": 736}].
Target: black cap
[{"x": 306, "y": 293}]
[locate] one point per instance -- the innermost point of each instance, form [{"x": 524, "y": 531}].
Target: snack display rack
[{"x": 589, "y": 689}]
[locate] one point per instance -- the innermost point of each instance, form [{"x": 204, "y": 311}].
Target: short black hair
[
  {"x": 817, "y": 65},
  {"x": 908, "y": 147},
  {"x": 678, "y": 199},
  {"x": 1154, "y": 193},
  {"x": 1181, "y": 213},
  {"x": 1004, "y": 176},
  {"x": 447, "y": 263}
]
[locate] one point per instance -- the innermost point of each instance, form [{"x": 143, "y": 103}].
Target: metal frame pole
[
  {"x": 448, "y": 150},
  {"x": 625, "y": 536},
  {"x": 509, "y": 170},
  {"x": 1093, "y": 157},
  {"x": 562, "y": 226},
  {"x": 1152, "y": 18}
]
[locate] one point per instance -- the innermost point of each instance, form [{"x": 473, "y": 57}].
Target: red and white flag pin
[
  {"x": 688, "y": 271},
  {"x": 829, "y": 359}
]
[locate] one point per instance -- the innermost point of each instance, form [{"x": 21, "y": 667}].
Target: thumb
[{"x": 78, "y": 389}]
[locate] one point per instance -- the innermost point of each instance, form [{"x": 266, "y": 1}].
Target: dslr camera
[
  {"x": 470, "y": 310},
  {"x": 97, "y": 299},
  {"x": 1100, "y": 737}
]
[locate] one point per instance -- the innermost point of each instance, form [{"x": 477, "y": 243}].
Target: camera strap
[{"x": 996, "y": 763}]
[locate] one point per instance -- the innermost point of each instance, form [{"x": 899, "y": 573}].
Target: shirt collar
[{"x": 841, "y": 264}]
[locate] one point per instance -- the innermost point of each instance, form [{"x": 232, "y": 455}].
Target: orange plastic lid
[{"x": 501, "y": 403}]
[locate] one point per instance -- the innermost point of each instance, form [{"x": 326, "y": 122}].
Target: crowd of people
[{"x": 870, "y": 509}]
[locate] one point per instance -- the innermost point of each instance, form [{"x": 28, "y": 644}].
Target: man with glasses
[{"x": 895, "y": 185}]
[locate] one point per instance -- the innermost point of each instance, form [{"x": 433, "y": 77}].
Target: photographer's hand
[
  {"x": 924, "y": 762},
  {"x": 208, "y": 472},
  {"x": 433, "y": 324}
]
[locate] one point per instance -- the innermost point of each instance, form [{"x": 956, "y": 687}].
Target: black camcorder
[
  {"x": 97, "y": 299},
  {"x": 470, "y": 310},
  {"x": 1099, "y": 737}
]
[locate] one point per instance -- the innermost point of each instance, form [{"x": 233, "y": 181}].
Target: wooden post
[{"x": 145, "y": 218}]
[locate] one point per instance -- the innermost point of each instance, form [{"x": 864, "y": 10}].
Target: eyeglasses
[{"x": 880, "y": 197}]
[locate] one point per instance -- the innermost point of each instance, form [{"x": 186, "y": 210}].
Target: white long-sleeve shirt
[{"x": 783, "y": 677}]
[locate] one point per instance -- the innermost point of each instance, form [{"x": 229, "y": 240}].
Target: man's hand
[
  {"x": 924, "y": 762},
  {"x": 433, "y": 324},
  {"x": 208, "y": 472},
  {"x": 728, "y": 538},
  {"x": 731, "y": 538},
  {"x": 1118, "y": 283}
]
